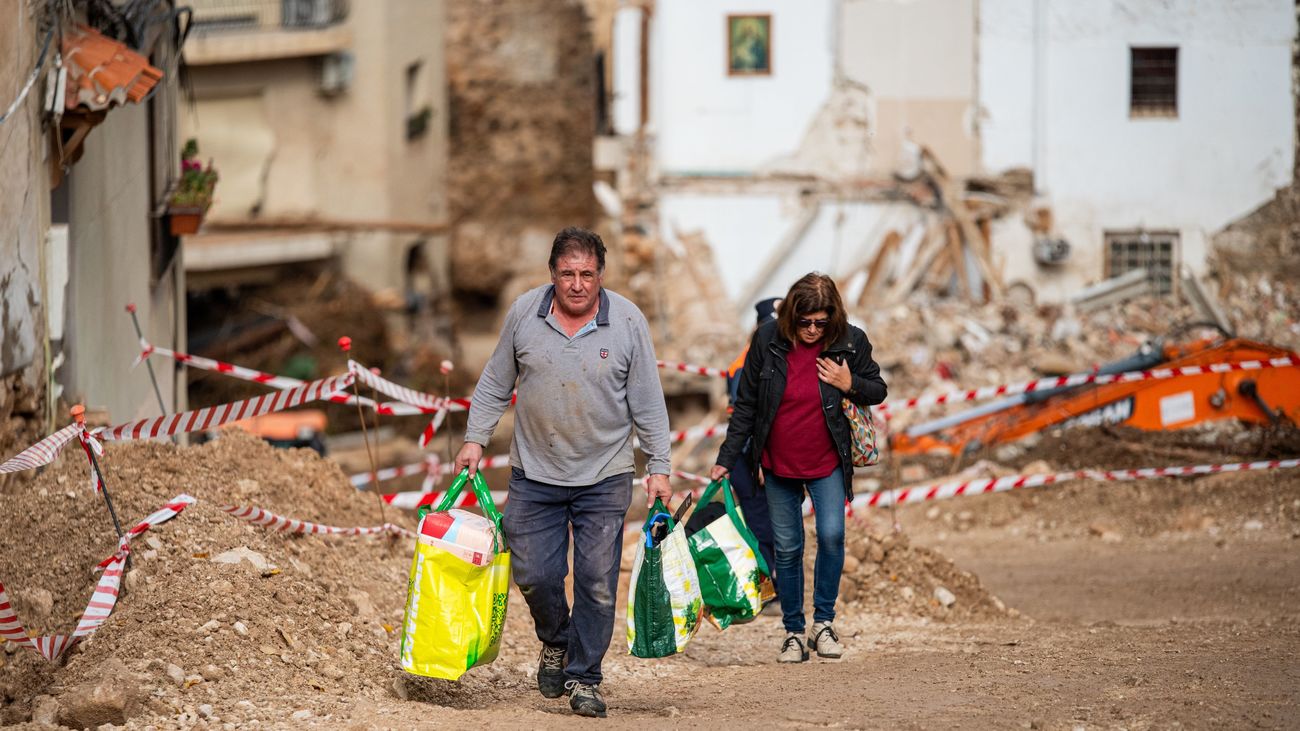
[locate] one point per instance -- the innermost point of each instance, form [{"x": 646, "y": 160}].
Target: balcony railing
[{"x": 219, "y": 16}]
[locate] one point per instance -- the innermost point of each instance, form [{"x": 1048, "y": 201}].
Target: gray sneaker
[
  {"x": 550, "y": 671},
  {"x": 792, "y": 649},
  {"x": 824, "y": 641},
  {"x": 585, "y": 700}
]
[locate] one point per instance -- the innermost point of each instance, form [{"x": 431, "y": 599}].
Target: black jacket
[{"x": 762, "y": 383}]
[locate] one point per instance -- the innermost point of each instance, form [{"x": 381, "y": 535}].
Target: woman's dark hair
[
  {"x": 812, "y": 293},
  {"x": 580, "y": 240}
]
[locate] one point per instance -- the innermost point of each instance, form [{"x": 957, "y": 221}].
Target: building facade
[
  {"x": 89, "y": 162},
  {"x": 328, "y": 122},
  {"x": 776, "y": 128}
]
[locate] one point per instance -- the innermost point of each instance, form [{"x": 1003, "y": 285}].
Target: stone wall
[{"x": 522, "y": 88}]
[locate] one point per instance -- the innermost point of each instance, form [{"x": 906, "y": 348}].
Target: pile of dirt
[
  {"x": 314, "y": 625},
  {"x": 305, "y": 625},
  {"x": 884, "y": 575}
]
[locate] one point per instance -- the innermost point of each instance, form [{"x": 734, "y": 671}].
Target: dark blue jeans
[
  {"x": 754, "y": 505},
  {"x": 785, "y": 504},
  {"x": 537, "y": 521}
]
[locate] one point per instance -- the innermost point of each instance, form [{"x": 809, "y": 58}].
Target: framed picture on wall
[{"x": 749, "y": 45}]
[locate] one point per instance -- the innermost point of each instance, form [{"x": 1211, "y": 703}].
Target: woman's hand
[
  {"x": 836, "y": 374},
  {"x": 718, "y": 472}
]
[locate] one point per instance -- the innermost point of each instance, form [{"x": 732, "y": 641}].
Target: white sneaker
[
  {"x": 824, "y": 641},
  {"x": 792, "y": 649}
]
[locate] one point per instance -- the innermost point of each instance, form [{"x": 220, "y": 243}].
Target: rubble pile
[
  {"x": 884, "y": 575},
  {"x": 931, "y": 345}
]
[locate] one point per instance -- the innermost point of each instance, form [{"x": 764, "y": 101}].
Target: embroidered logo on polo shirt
[{"x": 604, "y": 353}]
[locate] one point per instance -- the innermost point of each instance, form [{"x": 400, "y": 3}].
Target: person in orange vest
[{"x": 750, "y": 494}]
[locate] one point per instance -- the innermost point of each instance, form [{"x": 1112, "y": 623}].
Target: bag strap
[
  {"x": 482, "y": 494},
  {"x": 734, "y": 512}
]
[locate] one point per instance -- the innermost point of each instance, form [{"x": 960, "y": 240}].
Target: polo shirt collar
[{"x": 602, "y": 312}]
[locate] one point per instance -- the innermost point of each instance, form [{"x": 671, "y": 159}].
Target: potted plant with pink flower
[{"x": 192, "y": 198}]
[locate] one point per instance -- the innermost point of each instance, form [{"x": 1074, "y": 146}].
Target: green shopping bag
[
  {"x": 456, "y": 598},
  {"x": 663, "y": 603},
  {"x": 731, "y": 569}
]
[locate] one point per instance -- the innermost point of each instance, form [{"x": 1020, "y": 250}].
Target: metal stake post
[
  {"x": 152, "y": 378},
  {"x": 79, "y": 415},
  {"x": 345, "y": 344}
]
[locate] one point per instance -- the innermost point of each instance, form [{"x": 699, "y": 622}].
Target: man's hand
[
  {"x": 656, "y": 486},
  {"x": 469, "y": 456},
  {"x": 718, "y": 472}
]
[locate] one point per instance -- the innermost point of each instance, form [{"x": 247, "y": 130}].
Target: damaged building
[
  {"x": 1058, "y": 144},
  {"x": 89, "y": 154}
]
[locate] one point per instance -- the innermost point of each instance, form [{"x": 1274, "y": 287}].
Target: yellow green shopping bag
[
  {"x": 732, "y": 571},
  {"x": 456, "y": 597}
]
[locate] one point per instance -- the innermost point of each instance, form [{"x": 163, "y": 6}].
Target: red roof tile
[{"x": 103, "y": 72}]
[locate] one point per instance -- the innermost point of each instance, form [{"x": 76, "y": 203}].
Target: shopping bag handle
[
  {"x": 729, "y": 498},
  {"x": 482, "y": 494}
]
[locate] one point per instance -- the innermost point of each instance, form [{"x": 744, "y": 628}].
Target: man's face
[{"x": 577, "y": 283}]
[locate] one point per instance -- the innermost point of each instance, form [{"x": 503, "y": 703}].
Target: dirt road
[
  {"x": 1150, "y": 605},
  {"x": 1148, "y": 633}
]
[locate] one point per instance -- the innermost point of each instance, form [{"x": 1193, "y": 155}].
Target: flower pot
[{"x": 184, "y": 221}]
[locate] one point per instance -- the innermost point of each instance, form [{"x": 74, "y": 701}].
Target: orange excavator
[{"x": 1261, "y": 396}]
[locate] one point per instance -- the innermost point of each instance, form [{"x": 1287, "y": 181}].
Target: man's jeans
[
  {"x": 537, "y": 520},
  {"x": 785, "y": 504}
]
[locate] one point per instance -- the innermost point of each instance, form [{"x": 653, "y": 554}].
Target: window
[
  {"x": 1153, "y": 82},
  {"x": 1152, "y": 251},
  {"x": 418, "y": 111}
]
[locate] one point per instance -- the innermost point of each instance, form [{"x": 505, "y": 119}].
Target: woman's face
[{"x": 812, "y": 326}]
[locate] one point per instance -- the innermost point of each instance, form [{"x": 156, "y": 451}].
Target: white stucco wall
[
  {"x": 708, "y": 122},
  {"x": 1227, "y": 150}
]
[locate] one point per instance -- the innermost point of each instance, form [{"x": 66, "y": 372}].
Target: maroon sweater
[{"x": 800, "y": 445}]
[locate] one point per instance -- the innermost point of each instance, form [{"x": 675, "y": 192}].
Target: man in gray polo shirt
[{"x": 584, "y": 366}]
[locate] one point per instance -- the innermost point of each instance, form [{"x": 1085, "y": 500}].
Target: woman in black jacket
[{"x": 798, "y": 370}]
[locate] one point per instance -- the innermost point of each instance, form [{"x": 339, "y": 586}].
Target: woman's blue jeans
[{"x": 785, "y": 504}]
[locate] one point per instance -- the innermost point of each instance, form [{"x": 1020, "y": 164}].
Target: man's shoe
[
  {"x": 792, "y": 649},
  {"x": 824, "y": 641},
  {"x": 772, "y": 609},
  {"x": 550, "y": 671},
  {"x": 585, "y": 700}
]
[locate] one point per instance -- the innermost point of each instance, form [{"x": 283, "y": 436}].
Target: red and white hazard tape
[
  {"x": 240, "y": 372},
  {"x": 267, "y": 519},
  {"x": 431, "y": 430},
  {"x": 102, "y": 601},
  {"x": 215, "y": 416},
  {"x": 395, "y": 390},
  {"x": 1080, "y": 379},
  {"x": 430, "y": 465},
  {"x": 698, "y": 432},
  {"x": 43, "y": 452},
  {"x": 691, "y": 368},
  {"x": 922, "y": 493}
]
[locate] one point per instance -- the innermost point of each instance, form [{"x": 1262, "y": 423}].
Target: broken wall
[
  {"x": 917, "y": 61},
  {"x": 1054, "y": 82},
  {"x": 522, "y": 94},
  {"x": 24, "y": 218}
]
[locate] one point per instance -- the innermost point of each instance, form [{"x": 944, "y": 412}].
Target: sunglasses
[{"x": 804, "y": 322}]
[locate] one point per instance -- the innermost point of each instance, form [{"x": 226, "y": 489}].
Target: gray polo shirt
[{"x": 579, "y": 398}]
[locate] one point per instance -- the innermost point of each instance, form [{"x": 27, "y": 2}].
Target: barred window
[
  {"x": 1153, "y": 251},
  {"x": 1153, "y": 82}
]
